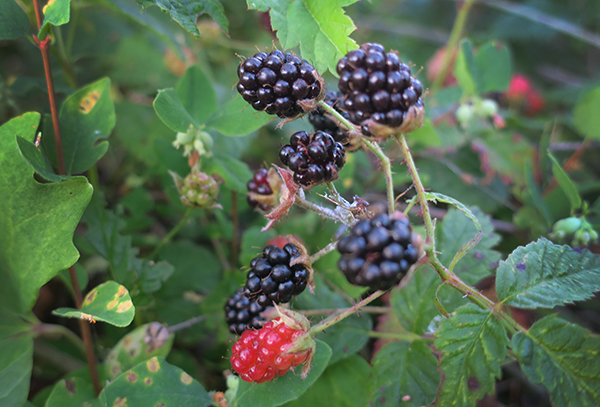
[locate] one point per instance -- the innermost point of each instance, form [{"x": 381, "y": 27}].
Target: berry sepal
[
  {"x": 303, "y": 342},
  {"x": 286, "y": 199},
  {"x": 413, "y": 119}
]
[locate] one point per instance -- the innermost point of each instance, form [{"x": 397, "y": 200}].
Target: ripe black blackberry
[
  {"x": 313, "y": 158},
  {"x": 320, "y": 121},
  {"x": 242, "y": 313},
  {"x": 278, "y": 83},
  {"x": 272, "y": 278},
  {"x": 379, "y": 90},
  {"x": 378, "y": 252},
  {"x": 259, "y": 184}
]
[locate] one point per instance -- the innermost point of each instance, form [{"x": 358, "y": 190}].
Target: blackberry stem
[
  {"x": 172, "y": 233},
  {"x": 326, "y": 250},
  {"x": 371, "y": 310},
  {"x": 407, "y": 336},
  {"x": 302, "y": 202}
]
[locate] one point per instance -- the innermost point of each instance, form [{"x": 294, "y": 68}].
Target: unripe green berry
[
  {"x": 199, "y": 189},
  {"x": 464, "y": 114},
  {"x": 567, "y": 225},
  {"x": 487, "y": 108}
]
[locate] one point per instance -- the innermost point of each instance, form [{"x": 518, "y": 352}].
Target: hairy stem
[
  {"x": 326, "y": 250},
  {"x": 171, "y": 233},
  {"x": 343, "y": 215},
  {"x": 387, "y": 170}
]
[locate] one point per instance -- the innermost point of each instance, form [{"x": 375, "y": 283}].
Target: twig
[
  {"x": 186, "y": 324},
  {"x": 327, "y": 249}
]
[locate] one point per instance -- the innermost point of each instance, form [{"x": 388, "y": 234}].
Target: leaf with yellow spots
[
  {"x": 86, "y": 117},
  {"x": 56, "y": 12},
  {"x": 109, "y": 302},
  {"x": 155, "y": 383},
  {"x": 73, "y": 391}
]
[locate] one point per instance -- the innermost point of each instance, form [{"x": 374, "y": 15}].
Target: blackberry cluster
[
  {"x": 277, "y": 82},
  {"x": 313, "y": 158},
  {"x": 377, "y": 86},
  {"x": 320, "y": 121},
  {"x": 259, "y": 184},
  {"x": 241, "y": 313},
  {"x": 271, "y": 277},
  {"x": 378, "y": 252}
]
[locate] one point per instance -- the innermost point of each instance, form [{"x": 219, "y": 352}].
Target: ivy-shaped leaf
[
  {"x": 13, "y": 21},
  {"x": 109, "y": 302},
  {"x": 37, "y": 222},
  {"x": 563, "y": 358},
  {"x": 473, "y": 344},
  {"x": 154, "y": 383},
  {"x": 402, "y": 369},
  {"x": 544, "y": 274},
  {"x": 321, "y": 28},
  {"x": 186, "y": 12}
]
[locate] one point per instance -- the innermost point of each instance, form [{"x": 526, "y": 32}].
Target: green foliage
[
  {"x": 566, "y": 184},
  {"x": 473, "y": 343},
  {"x": 109, "y": 302},
  {"x": 403, "y": 369},
  {"x": 236, "y": 118},
  {"x": 563, "y": 358},
  {"x": 487, "y": 70},
  {"x": 13, "y": 21},
  {"x": 321, "y": 28},
  {"x": 15, "y": 359},
  {"x": 75, "y": 392},
  {"x": 55, "y": 13},
  {"x": 543, "y": 274},
  {"x": 36, "y": 242},
  {"x": 585, "y": 114}
]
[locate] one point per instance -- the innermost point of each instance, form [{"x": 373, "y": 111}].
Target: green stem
[
  {"x": 407, "y": 336},
  {"x": 326, "y": 250},
  {"x": 387, "y": 170},
  {"x": 455, "y": 36},
  {"x": 338, "y": 116},
  {"x": 336, "y": 215},
  {"x": 334, "y": 319},
  {"x": 172, "y": 233},
  {"x": 328, "y": 311}
]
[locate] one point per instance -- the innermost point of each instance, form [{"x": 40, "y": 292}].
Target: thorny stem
[
  {"x": 327, "y": 249},
  {"x": 328, "y": 311},
  {"x": 324, "y": 212},
  {"x": 334, "y": 319},
  {"x": 86, "y": 333},
  {"x": 172, "y": 233},
  {"x": 455, "y": 36}
]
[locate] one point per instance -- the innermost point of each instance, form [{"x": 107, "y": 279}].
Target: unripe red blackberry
[
  {"x": 378, "y": 252},
  {"x": 272, "y": 277},
  {"x": 280, "y": 84},
  {"x": 313, "y": 158},
  {"x": 242, "y": 313},
  {"x": 259, "y": 184},
  {"x": 320, "y": 121},
  {"x": 379, "y": 92}
]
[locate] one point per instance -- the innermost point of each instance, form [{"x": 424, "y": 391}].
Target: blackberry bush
[
  {"x": 242, "y": 313},
  {"x": 320, "y": 121},
  {"x": 279, "y": 83},
  {"x": 379, "y": 92},
  {"x": 313, "y": 158},
  {"x": 273, "y": 277},
  {"x": 378, "y": 252}
]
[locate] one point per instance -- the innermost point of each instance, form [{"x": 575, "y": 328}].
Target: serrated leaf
[
  {"x": 321, "y": 28},
  {"x": 141, "y": 344},
  {"x": 403, "y": 369},
  {"x": 56, "y": 12},
  {"x": 109, "y": 302},
  {"x": 285, "y": 388},
  {"x": 153, "y": 382},
  {"x": 473, "y": 344},
  {"x": 186, "y": 12},
  {"x": 38, "y": 220},
  {"x": 234, "y": 173},
  {"x": 237, "y": 118},
  {"x": 86, "y": 117},
  {"x": 585, "y": 114},
  {"x": 197, "y": 94},
  {"x": 566, "y": 184},
  {"x": 73, "y": 392},
  {"x": 342, "y": 382},
  {"x": 562, "y": 357},
  {"x": 543, "y": 274},
  {"x": 13, "y": 20}
]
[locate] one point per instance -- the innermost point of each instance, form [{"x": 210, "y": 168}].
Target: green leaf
[
  {"x": 197, "y": 94},
  {"x": 237, "y": 118},
  {"x": 342, "y": 382},
  {"x": 403, "y": 369},
  {"x": 56, "y": 12},
  {"x": 493, "y": 67},
  {"x": 13, "y": 20},
  {"x": 543, "y": 274},
  {"x": 464, "y": 69},
  {"x": 566, "y": 184},
  {"x": 109, "y": 302},
  {"x": 86, "y": 117},
  {"x": 562, "y": 357},
  {"x": 321, "y": 28},
  {"x": 38, "y": 220},
  {"x": 234, "y": 173},
  {"x": 473, "y": 344},
  {"x": 141, "y": 344},
  {"x": 16, "y": 358},
  {"x": 171, "y": 111},
  {"x": 585, "y": 114},
  {"x": 186, "y": 12},
  {"x": 73, "y": 392},
  {"x": 285, "y": 388},
  {"x": 38, "y": 161},
  {"x": 153, "y": 382}
]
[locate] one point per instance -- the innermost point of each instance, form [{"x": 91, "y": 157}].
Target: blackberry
[
  {"x": 313, "y": 158},
  {"x": 242, "y": 313},
  {"x": 273, "y": 279},
  {"x": 278, "y": 83},
  {"x": 378, "y": 252},
  {"x": 379, "y": 91},
  {"x": 320, "y": 121},
  {"x": 259, "y": 184}
]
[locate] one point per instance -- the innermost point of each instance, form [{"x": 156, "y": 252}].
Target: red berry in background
[
  {"x": 260, "y": 356},
  {"x": 522, "y": 95}
]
